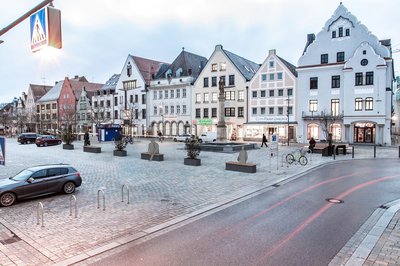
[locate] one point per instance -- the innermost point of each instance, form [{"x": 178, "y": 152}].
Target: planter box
[
  {"x": 192, "y": 162},
  {"x": 92, "y": 149},
  {"x": 241, "y": 167},
  {"x": 68, "y": 146},
  {"x": 156, "y": 157},
  {"x": 120, "y": 153}
]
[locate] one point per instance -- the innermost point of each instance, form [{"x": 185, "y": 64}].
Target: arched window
[
  {"x": 313, "y": 131},
  {"x": 336, "y": 131}
]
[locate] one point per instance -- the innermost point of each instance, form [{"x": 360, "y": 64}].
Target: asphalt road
[{"x": 292, "y": 224}]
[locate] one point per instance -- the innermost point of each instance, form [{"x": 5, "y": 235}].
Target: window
[
  {"x": 183, "y": 93},
  {"x": 358, "y": 104},
  {"x": 272, "y": 76},
  {"x": 335, "y": 82},
  {"x": 263, "y": 77},
  {"x": 213, "y": 112},
  {"x": 230, "y": 112},
  {"x": 166, "y": 109},
  {"x": 155, "y": 110},
  {"x": 159, "y": 94},
  {"x": 222, "y": 66},
  {"x": 154, "y": 95},
  {"x": 369, "y": 104},
  {"x": 254, "y": 111},
  {"x": 214, "y": 67},
  {"x": 340, "y": 57},
  {"x": 280, "y": 92},
  {"x": 335, "y": 107},
  {"x": 240, "y": 111},
  {"x": 143, "y": 98},
  {"x": 205, "y": 112},
  {"x": 263, "y": 93},
  {"x": 280, "y": 110},
  {"x": 205, "y": 82},
  {"x": 178, "y": 93},
  {"x": 101, "y": 104},
  {"x": 369, "y": 78},
  {"x": 347, "y": 32},
  {"x": 324, "y": 59},
  {"x": 198, "y": 97},
  {"x": 178, "y": 109},
  {"x": 241, "y": 96},
  {"x": 254, "y": 94},
  {"x": 131, "y": 98},
  {"x": 116, "y": 113},
  {"x": 108, "y": 103},
  {"x": 115, "y": 101},
  {"x": 271, "y": 110},
  {"x": 340, "y": 31},
  {"x": 262, "y": 110},
  {"x": 172, "y": 109},
  {"x": 54, "y": 106},
  {"x": 184, "y": 109},
  {"x": 280, "y": 76},
  {"x": 231, "y": 80},
  {"x": 213, "y": 81},
  {"x": 359, "y": 79},
  {"x": 290, "y": 110},
  {"x": 271, "y": 93},
  {"x": 166, "y": 94},
  {"x": 143, "y": 113},
  {"x": 198, "y": 113},
  {"x": 229, "y": 95},
  {"x": 128, "y": 85},
  {"x": 289, "y": 92},
  {"x": 333, "y": 34},
  {"x": 172, "y": 94},
  {"x": 47, "y": 106},
  {"x": 271, "y": 64},
  {"x": 206, "y": 99},
  {"x": 313, "y": 105},
  {"x": 313, "y": 83},
  {"x": 108, "y": 115},
  {"x": 214, "y": 97},
  {"x": 129, "y": 69}
]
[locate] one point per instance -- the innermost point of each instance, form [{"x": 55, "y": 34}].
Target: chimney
[
  {"x": 218, "y": 47},
  {"x": 76, "y": 77},
  {"x": 310, "y": 38},
  {"x": 272, "y": 51}
]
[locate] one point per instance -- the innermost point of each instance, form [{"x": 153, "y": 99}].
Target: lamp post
[{"x": 288, "y": 101}]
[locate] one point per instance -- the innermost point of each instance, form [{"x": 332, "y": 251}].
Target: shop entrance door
[{"x": 364, "y": 134}]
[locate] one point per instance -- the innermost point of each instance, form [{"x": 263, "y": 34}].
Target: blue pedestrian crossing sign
[
  {"x": 2, "y": 151},
  {"x": 45, "y": 29}
]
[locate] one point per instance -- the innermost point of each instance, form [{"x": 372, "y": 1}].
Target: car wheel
[
  {"x": 200, "y": 141},
  {"x": 69, "y": 187},
  {"x": 45, "y": 144},
  {"x": 7, "y": 199}
]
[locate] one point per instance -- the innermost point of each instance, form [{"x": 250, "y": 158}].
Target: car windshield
[{"x": 22, "y": 176}]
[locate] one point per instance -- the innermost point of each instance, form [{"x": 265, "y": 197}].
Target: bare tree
[{"x": 98, "y": 116}]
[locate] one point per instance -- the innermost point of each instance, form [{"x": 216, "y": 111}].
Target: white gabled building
[
  {"x": 345, "y": 83},
  {"x": 272, "y": 100},
  {"x": 237, "y": 72}
]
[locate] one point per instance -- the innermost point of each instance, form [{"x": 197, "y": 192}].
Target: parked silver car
[{"x": 37, "y": 181}]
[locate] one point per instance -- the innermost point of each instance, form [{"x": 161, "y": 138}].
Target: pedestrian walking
[
  {"x": 264, "y": 141},
  {"x": 160, "y": 136},
  {"x": 312, "y": 143}
]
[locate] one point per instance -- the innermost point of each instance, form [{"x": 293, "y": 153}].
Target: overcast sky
[{"x": 99, "y": 34}]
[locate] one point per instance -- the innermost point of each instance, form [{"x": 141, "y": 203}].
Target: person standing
[
  {"x": 312, "y": 143},
  {"x": 264, "y": 141}
]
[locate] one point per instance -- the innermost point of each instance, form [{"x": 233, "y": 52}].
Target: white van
[{"x": 208, "y": 137}]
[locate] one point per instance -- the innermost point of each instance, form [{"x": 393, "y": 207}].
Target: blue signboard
[
  {"x": 38, "y": 23},
  {"x": 2, "y": 151}
]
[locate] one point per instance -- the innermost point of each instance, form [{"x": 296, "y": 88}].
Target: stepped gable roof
[
  {"x": 39, "y": 90},
  {"x": 111, "y": 83},
  {"x": 147, "y": 67},
  {"x": 246, "y": 67},
  {"x": 191, "y": 65},
  {"x": 53, "y": 94},
  {"x": 290, "y": 66}
]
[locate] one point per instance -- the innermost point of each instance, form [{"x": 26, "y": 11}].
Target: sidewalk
[{"x": 162, "y": 194}]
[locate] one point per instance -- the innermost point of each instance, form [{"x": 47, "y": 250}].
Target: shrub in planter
[
  {"x": 193, "y": 150},
  {"x": 120, "y": 145},
  {"x": 68, "y": 137}
]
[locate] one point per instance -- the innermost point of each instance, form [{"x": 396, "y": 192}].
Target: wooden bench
[
  {"x": 92, "y": 149},
  {"x": 156, "y": 157},
  {"x": 241, "y": 167}
]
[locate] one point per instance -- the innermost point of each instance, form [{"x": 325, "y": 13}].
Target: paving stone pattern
[{"x": 159, "y": 193}]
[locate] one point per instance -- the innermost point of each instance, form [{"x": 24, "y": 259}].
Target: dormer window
[
  {"x": 340, "y": 32},
  {"x": 179, "y": 72},
  {"x": 347, "y": 32},
  {"x": 333, "y": 34}
]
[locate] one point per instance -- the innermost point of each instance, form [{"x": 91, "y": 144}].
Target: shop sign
[{"x": 204, "y": 122}]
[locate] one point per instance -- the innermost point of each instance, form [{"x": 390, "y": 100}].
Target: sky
[{"x": 98, "y": 35}]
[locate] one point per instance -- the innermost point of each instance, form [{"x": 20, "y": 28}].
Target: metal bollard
[
  {"x": 127, "y": 189},
  {"x": 374, "y": 151},
  {"x": 334, "y": 154},
  {"x": 98, "y": 199},
  {"x": 72, "y": 200},
  {"x": 352, "y": 152},
  {"x": 40, "y": 213},
  {"x": 399, "y": 151}
]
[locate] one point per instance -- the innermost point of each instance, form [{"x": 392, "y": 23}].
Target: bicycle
[{"x": 297, "y": 156}]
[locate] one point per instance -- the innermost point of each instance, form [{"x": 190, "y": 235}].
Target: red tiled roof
[{"x": 147, "y": 67}]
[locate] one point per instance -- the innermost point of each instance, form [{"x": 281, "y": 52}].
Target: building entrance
[{"x": 364, "y": 133}]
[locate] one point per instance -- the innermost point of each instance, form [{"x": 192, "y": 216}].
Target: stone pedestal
[
  {"x": 92, "y": 149},
  {"x": 156, "y": 157},
  {"x": 221, "y": 126},
  {"x": 241, "y": 167}
]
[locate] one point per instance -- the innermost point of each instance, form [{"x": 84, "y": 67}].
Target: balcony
[{"x": 321, "y": 115}]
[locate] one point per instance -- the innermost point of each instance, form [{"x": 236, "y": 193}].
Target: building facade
[
  {"x": 35, "y": 92},
  {"x": 345, "y": 82},
  {"x": 236, "y": 73},
  {"x": 170, "y": 95},
  {"x": 272, "y": 100}
]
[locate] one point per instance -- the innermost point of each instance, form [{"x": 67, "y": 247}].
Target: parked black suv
[{"x": 27, "y": 138}]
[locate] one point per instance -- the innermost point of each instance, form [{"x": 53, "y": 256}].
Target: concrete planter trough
[
  {"x": 241, "y": 167},
  {"x": 92, "y": 149},
  {"x": 156, "y": 157},
  {"x": 120, "y": 153},
  {"x": 68, "y": 146},
  {"x": 192, "y": 162}
]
